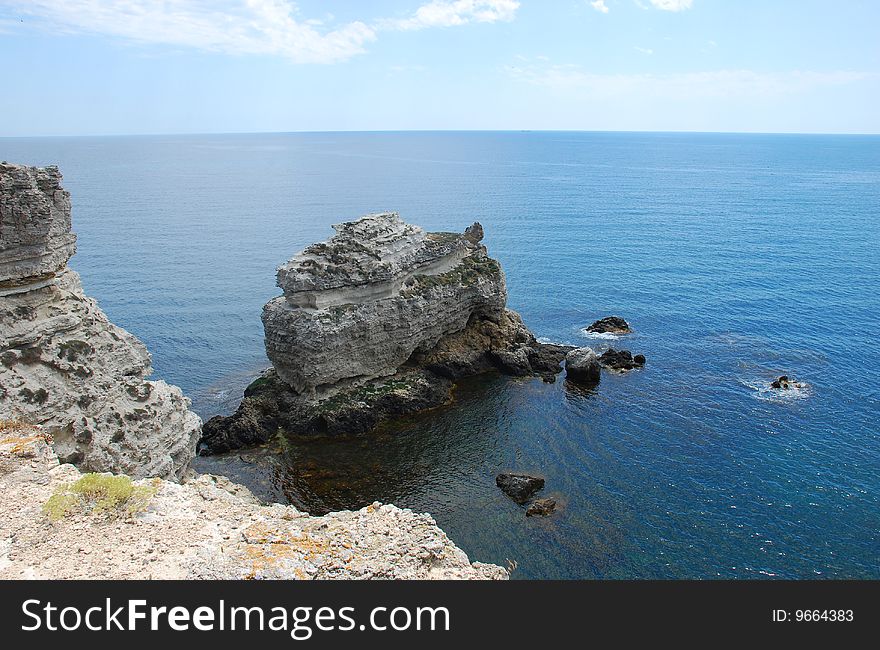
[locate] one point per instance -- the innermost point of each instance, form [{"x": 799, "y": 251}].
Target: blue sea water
[{"x": 736, "y": 258}]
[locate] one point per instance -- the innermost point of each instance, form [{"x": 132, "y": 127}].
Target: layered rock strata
[
  {"x": 359, "y": 305},
  {"x": 206, "y": 528},
  {"x": 63, "y": 364},
  {"x": 379, "y": 321}
]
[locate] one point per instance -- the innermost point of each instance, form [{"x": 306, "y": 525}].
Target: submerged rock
[
  {"x": 63, "y": 364},
  {"x": 376, "y": 322},
  {"x": 582, "y": 366},
  {"x": 519, "y": 487},
  {"x": 542, "y": 507},
  {"x": 621, "y": 360},
  {"x": 610, "y": 325}
]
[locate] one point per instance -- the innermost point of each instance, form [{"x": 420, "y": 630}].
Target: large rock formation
[
  {"x": 206, "y": 528},
  {"x": 378, "y": 321},
  {"x": 359, "y": 305},
  {"x": 63, "y": 364}
]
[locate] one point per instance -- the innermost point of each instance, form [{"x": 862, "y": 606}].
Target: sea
[{"x": 735, "y": 258}]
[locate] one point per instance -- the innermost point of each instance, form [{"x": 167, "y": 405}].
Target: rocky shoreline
[
  {"x": 74, "y": 398},
  {"x": 380, "y": 321}
]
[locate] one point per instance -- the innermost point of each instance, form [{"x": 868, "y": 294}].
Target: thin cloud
[
  {"x": 716, "y": 83},
  {"x": 440, "y": 13},
  {"x": 600, "y": 6},
  {"x": 644, "y": 50},
  {"x": 248, "y": 27},
  {"x": 672, "y": 5}
]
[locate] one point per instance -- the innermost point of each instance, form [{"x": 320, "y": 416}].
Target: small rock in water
[
  {"x": 621, "y": 359},
  {"x": 582, "y": 366},
  {"x": 784, "y": 382},
  {"x": 610, "y": 325},
  {"x": 519, "y": 487},
  {"x": 780, "y": 382},
  {"x": 542, "y": 508}
]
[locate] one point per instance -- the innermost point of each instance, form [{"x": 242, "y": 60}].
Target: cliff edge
[
  {"x": 63, "y": 364},
  {"x": 206, "y": 528}
]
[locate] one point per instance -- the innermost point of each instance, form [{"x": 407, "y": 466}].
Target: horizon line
[{"x": 379, "y": 131}]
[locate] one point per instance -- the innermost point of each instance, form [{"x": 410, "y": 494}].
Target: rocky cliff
[
  {"x": 379, "y": 321},
  {"x": 63, "y": 364},
  {"x": 206, "y": 527},
  {"x": 359, "y": 305}
]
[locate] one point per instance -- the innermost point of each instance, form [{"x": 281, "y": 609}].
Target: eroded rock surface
[
  {"x": 63, "y": 364},
  {"x": 35, "y": 236},
  {"x": 207, "y": 528},
  {"x": 380, "y": 321},
  {"x": 357, "y": 306}
]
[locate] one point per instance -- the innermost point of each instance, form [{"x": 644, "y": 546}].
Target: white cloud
[
  {"x": 644, "y": 50},
  {"x": 672, "y": 5},
  {"x": 685, "y": 85},
  {"x": 248, "y": 27},
  {"x": 599, "y": 5},
  {"x": 450, "y": 13},
  {"x": 269, "y": 27}
]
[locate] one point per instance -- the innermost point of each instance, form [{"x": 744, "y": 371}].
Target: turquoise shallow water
[{"x": 735, "y": 257}]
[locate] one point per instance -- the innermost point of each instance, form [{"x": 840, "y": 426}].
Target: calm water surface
[{"x": 735, "y": 257}]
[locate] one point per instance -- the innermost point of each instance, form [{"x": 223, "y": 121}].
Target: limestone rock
[
  {"x": 582, "y": 366},
  {"x": 63, "y": 364},
  {"x": 501, "y": 343},
  {"x": 378, "y": 322},
  {"x": 35, "y": 237},
  {"x": 208, "y": 528},
  {"x": 359, "y": 305}
]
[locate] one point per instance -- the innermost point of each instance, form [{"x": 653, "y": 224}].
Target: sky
[{"x": 106, "y": 67}]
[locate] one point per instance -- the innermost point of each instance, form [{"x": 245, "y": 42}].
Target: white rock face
[
  {"x": 582, "y": 365},
  {"x": 208, "y": 528},
  {"x": 359, "y": 305},
  {"x": 35, "y": 237},
  {"x": 63, "y": 364}
]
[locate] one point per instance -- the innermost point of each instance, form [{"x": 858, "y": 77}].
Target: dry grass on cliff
[{"x": 98, "y": 494}]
